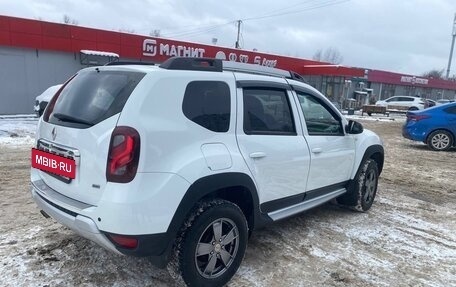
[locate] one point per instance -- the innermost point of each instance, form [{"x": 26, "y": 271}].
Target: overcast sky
[{"x": 408, "y": 36}]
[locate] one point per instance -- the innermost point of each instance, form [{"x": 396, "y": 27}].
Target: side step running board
[{"x": 305, "y": 205}]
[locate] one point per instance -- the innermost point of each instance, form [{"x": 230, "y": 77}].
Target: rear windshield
[{"x": 93, "y": 96}]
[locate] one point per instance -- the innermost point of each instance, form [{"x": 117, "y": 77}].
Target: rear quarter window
[
  {"x": 93, "y": 96},
  {"x": 207, "y": 103}
]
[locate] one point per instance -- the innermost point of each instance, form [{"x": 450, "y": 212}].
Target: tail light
[
  {"x": 415, "y": 117},
  {"x": 50, "y": 106},
  {"x": 123, "y": 155},
  {"x": 124, "y": 241}
]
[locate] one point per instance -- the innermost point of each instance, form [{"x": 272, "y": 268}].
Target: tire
[
  {"x": 369, "y": 114},
  {"x": 413, "y": 109},
  {"x": 361, "y": 197},
  {"x": 440, "y": 140},
  {"x": 218, "y": 231}
]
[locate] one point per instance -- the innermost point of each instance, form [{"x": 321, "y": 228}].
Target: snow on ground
[
  {"x": 406, "y": 239},
  {"x": 17, "y": 130}
]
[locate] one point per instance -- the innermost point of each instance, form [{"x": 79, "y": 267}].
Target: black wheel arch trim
[
  {"x": 159, "y": 246},
  {"x": 369, "y": 153},
  {"x": 206, "y": 186}
]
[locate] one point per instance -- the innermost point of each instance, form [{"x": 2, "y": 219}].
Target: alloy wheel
[
  {"x": 217, "y": 248},
  {"x": 370, "y": 184},
  {"x": 440, "y": 141}
]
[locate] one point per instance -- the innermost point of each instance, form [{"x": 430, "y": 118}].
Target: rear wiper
[{"x": 71, "y": 119}]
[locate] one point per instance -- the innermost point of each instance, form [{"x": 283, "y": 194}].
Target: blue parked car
[{"x": 434, "y": 126}]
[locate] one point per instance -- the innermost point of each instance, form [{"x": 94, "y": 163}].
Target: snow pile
[
  {"x": 17, "y": 130},
  {"x": 100, "y": 53},
  {"x": 379, "y": 118}
]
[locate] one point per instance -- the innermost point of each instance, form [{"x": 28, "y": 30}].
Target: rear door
[
  {"x": 271, "y": 141},
  {"x": 406, "y": 101},
  {"x": 332, "y": 151},
  {"x": 392, "y": 102},
  {"x": 80, "y": 125}
]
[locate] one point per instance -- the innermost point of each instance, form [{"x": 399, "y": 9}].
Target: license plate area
[{"x": 56, "y": 160}]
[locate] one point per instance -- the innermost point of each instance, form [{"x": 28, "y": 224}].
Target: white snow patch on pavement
[
  {"x": 17, "y": 130},
  {"x": 399, "y": 118}
]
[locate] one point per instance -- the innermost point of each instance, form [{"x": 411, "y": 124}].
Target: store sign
[
  {"x": 244, "y": 58},
  {"x": 153, "y": 48},
  {"x": 414, "y": 80}
]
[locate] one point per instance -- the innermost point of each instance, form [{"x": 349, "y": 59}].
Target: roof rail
[
  {"x": 254, "y": 69},
  {"x": 121, "y": 63},
  {"x": 217, "y": 65},
  {"x": 260, "y": 70},
  {"x": 192, "y": 64}
]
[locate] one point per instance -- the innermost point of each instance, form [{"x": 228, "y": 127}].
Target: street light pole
[
  {"x": 237, "y": 44},
  {"x": 452, "y": 47}
]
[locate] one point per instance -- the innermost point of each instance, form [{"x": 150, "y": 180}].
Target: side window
[
  {"x": 406, "y": 99},
  {"x": 320, "y": 120},
  {"x": 391, "y": 100},
  {"x": 267, "y": 111},
  {"x": 207, "y": 103}
]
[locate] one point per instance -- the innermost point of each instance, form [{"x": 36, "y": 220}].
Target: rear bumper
[
  {"x": 414, "y": 133},
  {"x": 156, "y": 246},
  {"x": 406, "y": 134},
  {"x": 82, "y": 225}
]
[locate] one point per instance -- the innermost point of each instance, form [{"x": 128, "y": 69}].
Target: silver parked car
[{"x": 42, "y": 100}]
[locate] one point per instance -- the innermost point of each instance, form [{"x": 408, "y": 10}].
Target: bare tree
[
  {"x": 318, "y": 55},
  {"x": 434, "y": 73},
  {"x": 155, "y": 33},
  {"x": 68, "y": 20},
  {"x": 330, "y": 55}
]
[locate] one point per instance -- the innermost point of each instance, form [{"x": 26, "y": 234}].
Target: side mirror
[{"x": 354, "y": 128}]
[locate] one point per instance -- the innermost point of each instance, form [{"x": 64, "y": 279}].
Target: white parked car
[
  {"x": 403, "y": 102},
  {"x": 180, "y": 162},
  {"x": 42, "y": 100}
]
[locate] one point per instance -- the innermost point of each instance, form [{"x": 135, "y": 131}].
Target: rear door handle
[
  {"x": 317, "y": 150},
  {"x": 258, "y": 154}
]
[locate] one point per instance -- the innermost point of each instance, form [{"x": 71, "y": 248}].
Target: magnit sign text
[{"x": 152, "y": 48}]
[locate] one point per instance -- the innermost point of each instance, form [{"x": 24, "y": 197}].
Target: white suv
[
  {"x": 403, "y": 102},
  {"x": 180, "y": 162}
]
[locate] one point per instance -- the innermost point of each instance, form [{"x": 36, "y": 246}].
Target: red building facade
[{"x": 336, "y": 81}]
